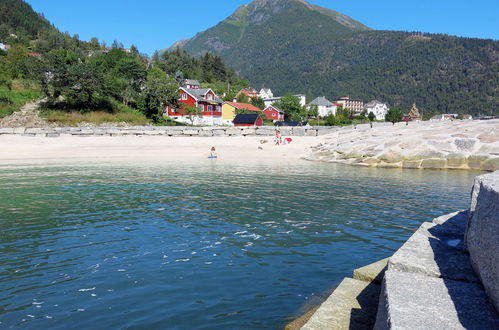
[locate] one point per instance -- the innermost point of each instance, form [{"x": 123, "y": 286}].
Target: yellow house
[{"x": 229, "y": 110}]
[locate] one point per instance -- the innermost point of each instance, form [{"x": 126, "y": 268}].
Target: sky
[{"x": 156, "y": 24}]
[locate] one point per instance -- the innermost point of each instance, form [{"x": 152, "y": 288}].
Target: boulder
[{"x": 482, "y": 233}]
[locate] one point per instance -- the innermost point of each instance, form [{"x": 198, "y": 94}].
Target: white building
[
  {"x": 324, "y": 106},
  {"x": 272, "y": 100},
  {"x": 378, "y": 108},
  {"x": 265, "y": 93},
  {"x": 354, "y": 105},
  {"x": 444, "y": 117}
]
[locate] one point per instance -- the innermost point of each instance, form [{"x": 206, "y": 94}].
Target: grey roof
[
  {"x": 199, "y": 94},
  {"x": 321, "y": 101},
  {"x": 191, "y": 82}
]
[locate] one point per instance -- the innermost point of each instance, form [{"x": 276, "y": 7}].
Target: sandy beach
[{"x": 24, "y": 149}]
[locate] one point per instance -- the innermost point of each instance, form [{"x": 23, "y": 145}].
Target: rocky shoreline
[{"x": 456, "y": 144}]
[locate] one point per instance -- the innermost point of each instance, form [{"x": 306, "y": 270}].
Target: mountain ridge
[{"x": 291, "y": 46}]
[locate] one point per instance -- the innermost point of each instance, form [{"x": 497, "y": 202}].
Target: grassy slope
[{"x": 13, "y": 100}]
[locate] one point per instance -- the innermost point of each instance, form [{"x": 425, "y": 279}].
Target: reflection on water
[{"x": 209, "y": 245}]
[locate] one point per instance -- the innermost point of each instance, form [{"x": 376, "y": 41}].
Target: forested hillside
[
  {"x": 80, "y": 77},
  {"x": 292, "y": 46}
]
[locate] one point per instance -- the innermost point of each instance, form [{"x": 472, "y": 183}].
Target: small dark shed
[{"x": 250, "y": 119}]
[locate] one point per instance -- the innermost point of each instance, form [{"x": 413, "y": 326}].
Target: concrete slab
[
  {"x": 414, "y": 301},
  {"x": 435, "y": 250},
  {"x": 352, "y": 305},
  {"x": 372, "y": 273}
]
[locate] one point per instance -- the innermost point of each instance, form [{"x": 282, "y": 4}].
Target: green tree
[
  {"x": 394, "y": 115},
  {"x": 371, "y": 116},
  {"x": 192, "y": 112},
  {"x": 292, "y": 108},
  {"x": 258, "y": 102},
  {"x": 313, "y": 111},
  {"x": 161, "y": 91}
]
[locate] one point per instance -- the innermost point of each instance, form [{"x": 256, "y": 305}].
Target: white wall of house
[
  {"x": 379, "y": 109},
  {"x": 325, "y": 111},
  {"x": 270, "y": 101},
  {"x": 201, "y": 120}
]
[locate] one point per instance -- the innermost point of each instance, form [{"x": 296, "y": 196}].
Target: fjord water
[{"x": 210, "y": 245}]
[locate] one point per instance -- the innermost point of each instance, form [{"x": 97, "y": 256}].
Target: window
[
  {"x": 183, "y": 97},
  {"x": 273, "y": 115},
  {"x": 210, "y": 97},
  {"x": 210, "y": 108},
  {"x": 217, "y": 108}
]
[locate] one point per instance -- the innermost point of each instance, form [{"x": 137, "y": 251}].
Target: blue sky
[{"x": 156, "y": 24}]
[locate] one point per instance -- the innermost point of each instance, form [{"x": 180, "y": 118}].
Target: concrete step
[
  {"x": 372, "y": 273},
  {"x": 436, "y": 250},
  {"x": 352, "y": 305},
  {"x": 415, "y": 301}
]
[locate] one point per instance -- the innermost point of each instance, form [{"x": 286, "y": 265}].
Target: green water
[{"x": 210, "y": 245}]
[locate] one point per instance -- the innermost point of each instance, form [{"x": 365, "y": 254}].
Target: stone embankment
[
  {"x": 435, "y": 145},
  {"x": 168, "y": 131},
  {"x": 446, "y": 276}
]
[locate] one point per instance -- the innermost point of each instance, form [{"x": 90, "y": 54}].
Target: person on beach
[
  {"x": 213, "y": 153},
  {"x": 278, "y": 137}
]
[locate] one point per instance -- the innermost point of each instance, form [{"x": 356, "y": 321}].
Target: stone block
[
  {"x": 19, "y": 130},
  {"x": 218, "y": 132},
  {"x": 6, "y": 130},
  {"x": 248, "y": 131},
  {"x": 233, "y": 131},
  {"x": 412, "y": 163},
  {"x": 475, "y": 162},
  {"x": 491, "y": 164},
  {"x": 53, "y": 135},
  {"x": 482, "y": 233},
  {"x": 265, "y": 131},
  {"x": 190, "y": 132},
  {"x": 435, "y": 250},
  {"x": 205, "y": 133},
  {"x": 352, "y": 305},
  {"x": 458, "y": 219},
  {"x": 436, "y": 163},
  {"x": 298, "y": 131},
  {"x": 372, "y": 273},
  {"x": 311, "y": 132},
  {"x": 414, "y": 301}
]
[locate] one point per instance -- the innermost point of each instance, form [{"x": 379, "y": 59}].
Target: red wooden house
[
  {"x": 208, "y": 103},
  {"x": 274, "y": 113}
]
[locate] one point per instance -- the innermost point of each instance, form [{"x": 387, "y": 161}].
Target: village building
[
  {"x": 379, "y": 109},
  {"x": 3, "y": 46},
  {"x": 324, "y": 106},
  {"x": 272, "y": 100},
  {"x": 444, "y": 117},
  {"x": 357, "y": 106},
  {"x": 273, "y": 113},
  {"x": 248, "y": 120},
  {"x": 265, "y": 93},
  {"x": 251, "y": 93},
  {"x": 191, "y": 84},
  {"x": 229, "y": 110},
  {"x": 205, "y": 100},
  {"x": 413, "y": 114}
]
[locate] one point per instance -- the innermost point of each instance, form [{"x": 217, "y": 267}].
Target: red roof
[{"x": 245, "y": 106}]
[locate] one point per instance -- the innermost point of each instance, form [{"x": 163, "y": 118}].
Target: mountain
[
  {"x": 17, "y": 17},
  {"x": 294, "y": 46}
]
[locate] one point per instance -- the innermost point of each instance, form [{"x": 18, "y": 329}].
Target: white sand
[{"x": 23, "y": 149}]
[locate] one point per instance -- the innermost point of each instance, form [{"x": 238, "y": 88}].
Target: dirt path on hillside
[{"x": 27, "y": 116}]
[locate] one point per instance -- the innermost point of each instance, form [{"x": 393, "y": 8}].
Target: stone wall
[
  {"x": 482, "y": 233},
  {"x": 169, "y": 131}
]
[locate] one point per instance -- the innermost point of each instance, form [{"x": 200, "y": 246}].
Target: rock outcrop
[{"x": 433, "y": 145}]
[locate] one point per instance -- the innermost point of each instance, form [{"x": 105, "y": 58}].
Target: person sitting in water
[{"x": 213, "y": 153}]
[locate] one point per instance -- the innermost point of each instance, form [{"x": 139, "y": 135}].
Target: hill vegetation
[
  {"x": 87, "y": 81},
  {"x": 292, "y": 46}
]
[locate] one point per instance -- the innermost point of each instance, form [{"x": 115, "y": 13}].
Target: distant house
[
  {"x": 191, "y": 84},
  {"x": 229, "y": 110},
  {"x": 324, "y": 106},
  {"x": 272, "y": 100},
  {"x": 379, "y": 109},
  {"x": 248, "y": 120},
  {"x": 354, "y": 105},
  {"x": 35, "y": 55},
  {"x": 205, "y": 99},
  {"x": 248, "y": 92},
  {"x": 444, "y": 117},
  {"x": 273, "y": 113},
  {"x": 3, "y": 46},
  {"x": 265, "y": 93}
]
